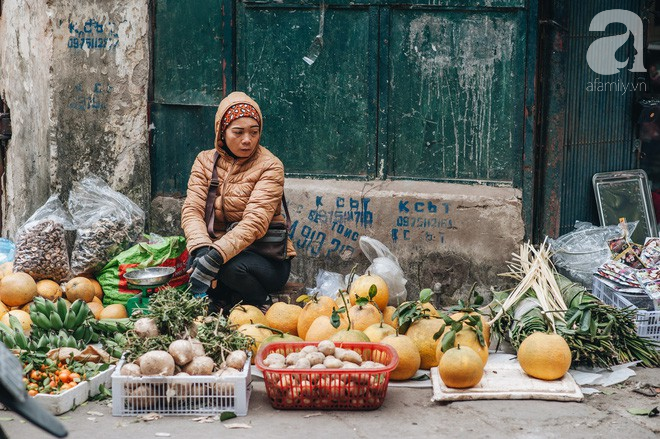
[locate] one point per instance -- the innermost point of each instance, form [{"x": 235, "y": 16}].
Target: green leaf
[
  {"x": 448, "y": 341},
  {"x": 334, "y": 319},
  {"x": 441, "y": 331},
  {"x": 403, "y": 327},
  {"x": 373, "y": 290},
  {"x": 104, "y": 366},
  {"x": 361, "y": 301},
  {"x": 303, "y": 298},
  {"x": 425, "y": 295},
  {"x": 644, "y": 412},
  {"x": 478, "y": 299},
  {"x": 422, "y": 377},
  {"x": 456, "y": 326},
  {"x": 225, "y": 416}
]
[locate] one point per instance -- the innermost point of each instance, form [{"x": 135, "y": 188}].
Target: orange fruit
[
  {"x": 379, "y": 331},
  {"x": 246, "y": 314},
  {"x": 363, "y": 316},
  {"x": 421, "y": 333},
  {"x": 322, "y": 306},
  {"x": 349, "y": 335},
  {"x": 322, "y": 329},
  {"x": 22, "y": 316},
  {"x": 3, "y": 309},
  {"x": 17, "y": 289},
  {"x": 432, "y": 311},
  {"x": 467, "y": 338},
  {"x": 284, "y": 317},
  {"x": 26, "y": 307},
  {"x": 544, "y": 356},
  {"x": 114, "y": 311},
  {"x": 98, "y": 290},
  {"x": 484, "y": 323},
  {"x": 257, "y": 333},
  {"x": 6, "y": 268},
  {"x": 409, "y": 358},
  {"x": 97, "y": 300},
  {"x": 360, "y": 287},
  {"x": 96, "y": 308},
  {"x": 79, "y": 288},
  {"x": 460, "y": 368},
  {"x": 387, "y": 316},
  {"x": 49, "y": 290}
]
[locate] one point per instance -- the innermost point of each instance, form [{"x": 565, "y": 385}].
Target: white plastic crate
[
  {"x": 648, "y": 322},
  {"x": 186, "y": 395},
  {"x": 104, "y": 378},
  {"x": 65, "y": 401}
]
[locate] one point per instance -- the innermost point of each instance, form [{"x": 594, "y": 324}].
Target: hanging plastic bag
[
  {"x": 41, "y": 249},
  {"x": 385, "y": 265},
  {"x": 107, "y": 223}
]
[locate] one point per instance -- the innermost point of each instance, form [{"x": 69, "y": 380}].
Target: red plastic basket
[{"x": 328, "y": 389}]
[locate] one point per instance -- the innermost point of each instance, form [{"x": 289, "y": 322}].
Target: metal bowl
[{"x": 150, "y": 276}]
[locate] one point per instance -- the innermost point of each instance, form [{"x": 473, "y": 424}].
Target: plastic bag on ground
[
  {"x": 107, "y": 223},
  {"x": 385, "y": 265},
  {"x": 41, "y": 249}
]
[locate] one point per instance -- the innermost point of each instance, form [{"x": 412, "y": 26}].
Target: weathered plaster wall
[
  {"x": 99, "y": 86},
  {"x": 75, "y": 75},
  {"x": 25, "y": 54},
  {"x": 445, "y": 236}
]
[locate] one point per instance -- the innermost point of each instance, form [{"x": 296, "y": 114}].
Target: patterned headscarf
[{"x": 237, "y": 111}]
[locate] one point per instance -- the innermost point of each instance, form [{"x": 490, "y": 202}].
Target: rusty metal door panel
[
  {"x": 590, "y": 120},
  {"x": 456, "y": 94}
]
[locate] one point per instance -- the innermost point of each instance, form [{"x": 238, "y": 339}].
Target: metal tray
[
  {"x": 150, "y": 276},
  {"x": 626, "y": 194}
]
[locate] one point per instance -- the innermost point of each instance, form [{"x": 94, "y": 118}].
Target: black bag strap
[{"x": 209, "y": 213}]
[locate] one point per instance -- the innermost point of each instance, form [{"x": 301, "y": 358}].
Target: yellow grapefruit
[
  {"x": 322, "y": 329},
  {"x": 17, "y": 289},
  {"x": 114, "y": 311},
  {"x": 363, "y": 316},
  {"x": 467, "y": 338},
  {"x": 409, "y": 358},
  {"x": 379, "y": 331},
  {"x": 387, "y": 316},
  {"x": 97, "y": 308},
  {"x": 322, "y": 306},
  {"x": 246, "y": 314},
  {"x": 544, "y": 356},
  {"x": 460, "y": 368},
  {"x": 421, "y": 333},
  {"x": 79, "y": 288},
  {"x": 284, "y": 317},
  {"x": 49, "y": 290},
  {"x": 360, "y": 287}
]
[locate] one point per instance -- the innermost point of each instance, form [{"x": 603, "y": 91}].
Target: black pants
[{"x": 248, "y": 278}]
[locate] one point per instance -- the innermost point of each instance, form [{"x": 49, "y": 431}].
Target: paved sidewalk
[{"x": 406, "y": 413}]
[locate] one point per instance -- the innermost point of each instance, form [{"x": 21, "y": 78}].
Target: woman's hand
[
  {"x": 193, "y": 258},
  {"x": 204, "y": 272}
]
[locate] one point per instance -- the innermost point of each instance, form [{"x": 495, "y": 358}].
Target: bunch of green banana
[
  {"x": 13, "y": 336},
  {"x": 112, "y": 326},
  {"x": 48, "y": 315}
]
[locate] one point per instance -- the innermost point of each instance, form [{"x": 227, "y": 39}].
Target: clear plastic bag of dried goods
[
  {"x": 107, "y": 222},
  {"x": 41, "y": 248}
]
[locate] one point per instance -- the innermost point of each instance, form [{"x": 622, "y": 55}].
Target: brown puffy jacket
[{"x": 251, "y": 189}]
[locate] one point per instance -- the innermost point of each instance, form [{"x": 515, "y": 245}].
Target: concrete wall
[
  {"x": 25, "y": 62},
  {"x": 75, "y": 76},
  {"x": 445, "y": 236}
]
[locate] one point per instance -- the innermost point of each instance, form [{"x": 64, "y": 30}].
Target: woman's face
[{"x": 242, "y": 136}]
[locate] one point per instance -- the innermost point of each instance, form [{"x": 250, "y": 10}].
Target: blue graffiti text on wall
[
  {"x": 93, "y": 34},
  {"x": 342, "y": 210},
  {"x": 422, "y": 216},
  {"x": 91, "y": 98}
]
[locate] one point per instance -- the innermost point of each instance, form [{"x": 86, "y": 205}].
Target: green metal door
[{"x": 367, "y": 89}]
